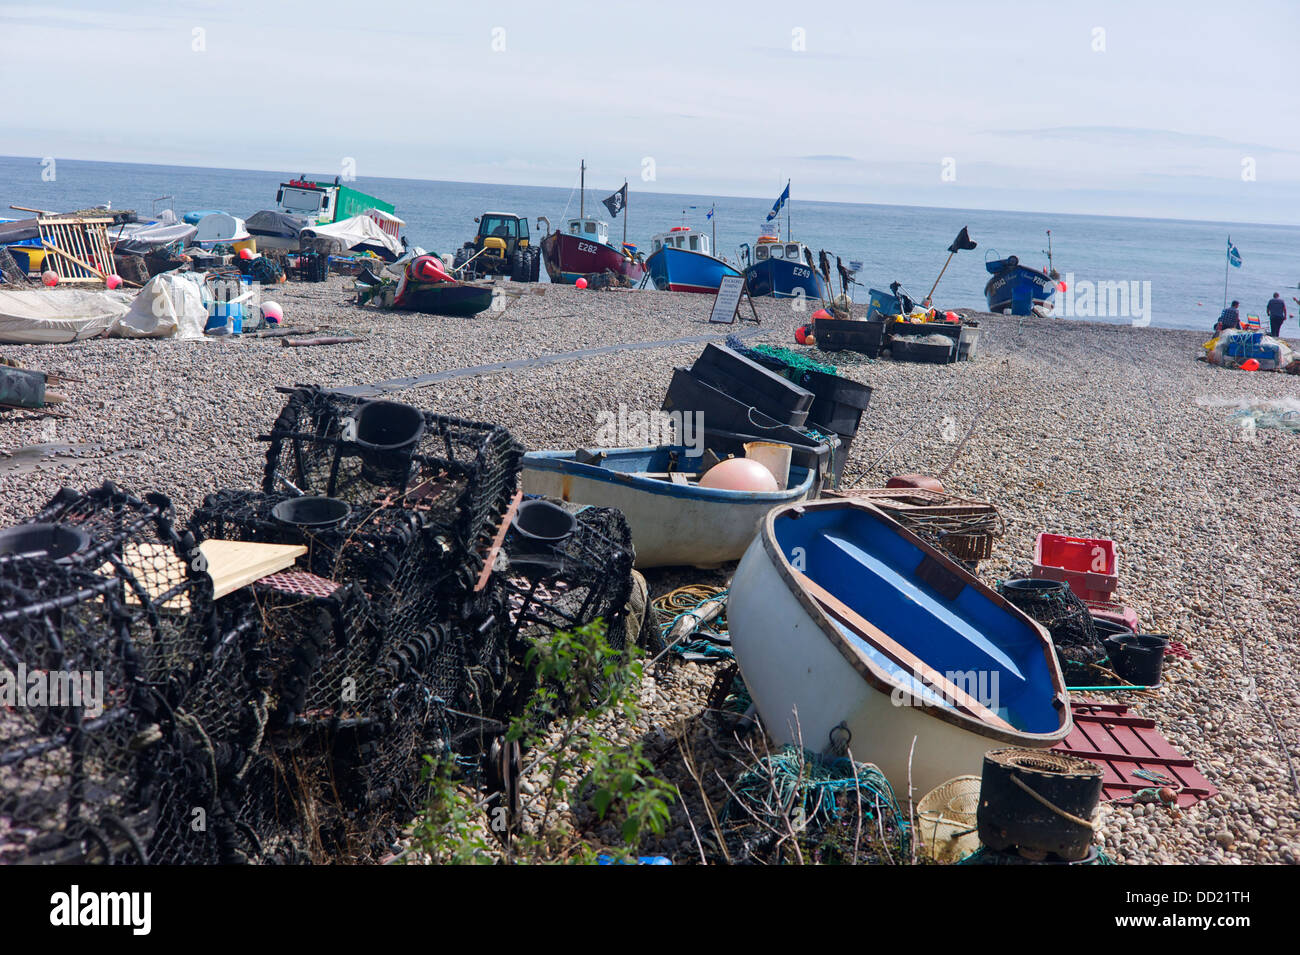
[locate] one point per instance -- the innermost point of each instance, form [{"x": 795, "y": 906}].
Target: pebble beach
[{"x": 1089, "y": 429}]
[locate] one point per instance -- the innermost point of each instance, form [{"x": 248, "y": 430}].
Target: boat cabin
[
  {"x": 593, "y": 229},
  {"x": 793, "y": 251},
  {"x": 681, "y": 237}
]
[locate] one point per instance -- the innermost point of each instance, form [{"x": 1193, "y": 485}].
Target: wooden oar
[{"x": 900, "y": 654}]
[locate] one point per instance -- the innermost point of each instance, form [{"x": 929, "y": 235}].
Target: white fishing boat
[
  {"x": 674, "y": 521},
  {"x": 851, "y": 631}
]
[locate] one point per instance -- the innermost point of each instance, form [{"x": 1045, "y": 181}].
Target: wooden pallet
[{"x": 78, "y": 248}]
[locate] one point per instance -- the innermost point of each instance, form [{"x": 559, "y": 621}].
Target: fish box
[
  {"x": 1090, "y": 565},
  {"x": 912, "y": 348},
  {"x": 835, "y": 334},
  {"x": 752, "y": 383},
  {"x": 838, "y": 402},
  {"x": 688, "y": 393}
]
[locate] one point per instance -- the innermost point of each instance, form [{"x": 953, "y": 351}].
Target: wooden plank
[
  {"x": 235, "y": 564},
  {"x": 679, "y": 478},
  {"x": 491, "y": 557},
  {"x": 900, "y": 654}
]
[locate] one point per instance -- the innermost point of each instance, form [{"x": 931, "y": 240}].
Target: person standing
[{"x": 1276, "y": 313}]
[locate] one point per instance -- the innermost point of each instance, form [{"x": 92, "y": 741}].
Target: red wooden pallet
[{"x": 1107, "y": 735}]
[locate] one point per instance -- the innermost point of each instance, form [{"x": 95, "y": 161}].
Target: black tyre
[
  {"x": 535, "y": 268},
  {"x": 463, "y": 255},
  {"x": 519, "y": 266}
]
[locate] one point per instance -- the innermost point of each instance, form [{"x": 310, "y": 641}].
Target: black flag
[
  {"x": 963, "y": 242},
  {"x": 616, "y": 202}
]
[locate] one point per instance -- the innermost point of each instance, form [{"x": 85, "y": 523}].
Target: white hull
[
  {"x": 669, "y": 528},
  {"x": 804, "y": 686}
]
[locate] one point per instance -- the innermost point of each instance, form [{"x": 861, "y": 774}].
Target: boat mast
[
  {"x": 625, "y": 215},
  {"x": 582, "y": 190}
]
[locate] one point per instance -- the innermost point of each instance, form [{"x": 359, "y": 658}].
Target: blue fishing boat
[
  {"x": 1018, "y": 288},
  {"x": 681, "y": 260},
  {"x": 850, "y": 630},
  {"x": 781, "y": 269},
  {"x": 673, "y": 520}
]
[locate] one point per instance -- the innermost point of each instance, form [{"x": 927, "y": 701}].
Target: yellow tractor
[{"x": 501, "y": 247}]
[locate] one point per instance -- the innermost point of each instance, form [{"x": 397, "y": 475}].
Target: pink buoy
[
  {"x": 581, "y": 283},
  {"x": 50, "y": 278},
  {"x": 272, "y": 312},
  {"x": 1061, "y": 286},
  {"x": 245, "y": 254},
  {"x": 739, "y": 474},
  {"x": 113, "y": 281}
]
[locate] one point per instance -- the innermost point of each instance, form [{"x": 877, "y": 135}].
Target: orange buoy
[{"x": 1250, "y": 364}]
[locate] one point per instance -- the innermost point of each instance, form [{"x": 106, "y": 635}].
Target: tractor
[{"x": 502, "y": 247}]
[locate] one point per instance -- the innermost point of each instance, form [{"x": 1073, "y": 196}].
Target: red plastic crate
[
  {"x": 1125, "y": 616},
  {"x": 1090, "y": 565}
]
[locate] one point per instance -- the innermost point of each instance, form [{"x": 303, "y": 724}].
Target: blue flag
[
  {"x": 1234, "y": 257},
  {"x": 710, "y": 213},
  {"x": 780, "y": 201}
]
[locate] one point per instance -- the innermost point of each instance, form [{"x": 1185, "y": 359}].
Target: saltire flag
[
  {"x": 616, "y": 202},
  {"x": 963, "y": 242},
  {"x": 709, "y": 215},
  {"x": 780, "y": 201},
  {"x": 1234, "y": 257}
]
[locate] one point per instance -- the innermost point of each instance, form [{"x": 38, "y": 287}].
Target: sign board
[{"x": 727, "y": 301}]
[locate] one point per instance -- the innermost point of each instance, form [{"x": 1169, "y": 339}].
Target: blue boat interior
[{"x": 979, "y": 645}]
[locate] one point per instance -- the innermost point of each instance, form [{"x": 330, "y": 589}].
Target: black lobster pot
[
  {"x": 1038, "y": 802},
  {"x": 387, "y": 435}
]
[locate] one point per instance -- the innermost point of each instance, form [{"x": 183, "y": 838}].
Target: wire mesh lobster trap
[
  {"x": 69, "y": 729},
  {"x": 165, "y": 596},
  {"x": 460, "y": 474}
]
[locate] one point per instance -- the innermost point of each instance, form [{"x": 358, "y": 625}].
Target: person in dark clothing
[
  {"x": 1228, "y": 318},
  {"x": 1276, "y": 313}
]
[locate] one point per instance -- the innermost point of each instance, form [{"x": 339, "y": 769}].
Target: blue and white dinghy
[
  {"x": 842, "y": 620},
  {"x": 673, "y": 520}
]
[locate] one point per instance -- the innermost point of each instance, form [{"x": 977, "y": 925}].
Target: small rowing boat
[
  {"x": 674, "y": 521},
  {"x": 850, "y": 630}
]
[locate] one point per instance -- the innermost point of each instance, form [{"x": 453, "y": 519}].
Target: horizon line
[{"x": 888, "y": 205}]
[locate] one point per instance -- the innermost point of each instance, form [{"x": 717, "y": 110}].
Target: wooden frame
[{"x": 80, "y": 246}]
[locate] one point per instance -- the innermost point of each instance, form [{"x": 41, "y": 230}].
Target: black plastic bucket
[
  {"x": 387, "y": 434},
  {"x": 51, "y": 541},
  {"x": 1109, "y": 628},
  {"x": 1033, "y": 587},
  {"x": 540, "y": 526},
  {"x": 311, "y": 511},
  {"x": 1138, "y": 658}
]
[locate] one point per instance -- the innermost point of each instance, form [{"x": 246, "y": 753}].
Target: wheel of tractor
[
  {"x": 519, "y": 266},
  {"x": 535, "y": 268}
]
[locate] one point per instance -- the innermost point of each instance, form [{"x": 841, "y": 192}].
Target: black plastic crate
[
  {"x": 912, "y": 349},
  {"x": 753, "y": 383},
  {"x": 686, "y": 393},
  {"x": 835, "y": 334}
]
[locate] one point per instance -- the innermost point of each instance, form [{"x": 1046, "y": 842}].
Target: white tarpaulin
[
  {"x": 359, "y": 230},
  {"x": 51, "y": 316},
  {"x": 170, "y": 304}
]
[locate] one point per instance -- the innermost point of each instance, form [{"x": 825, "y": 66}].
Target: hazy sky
[{"x": 1128, "y": 108}]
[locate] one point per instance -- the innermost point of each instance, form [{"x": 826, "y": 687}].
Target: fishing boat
[
  {"x": 781, "y": 269},
  {"x": 680, "y": 260},
  {"x": 585, "y": 248},
  {"x": 851, "y": 631},
  {"x": 427, "y": 287},
  {"x": 1017, "y": 288},
  {"x": 674, "y": 522}
]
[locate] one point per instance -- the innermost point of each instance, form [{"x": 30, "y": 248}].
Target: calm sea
[{"x": 1182, "y": 260}]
